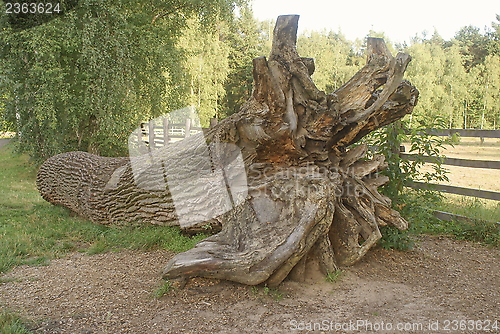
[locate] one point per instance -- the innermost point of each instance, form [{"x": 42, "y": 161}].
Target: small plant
[
  {"x": 255, "y": 290},
  {"x": 387, "y": 141},
  {"x": 274, "y": 293},
  {"x": 277, "y": 295},
  {"x": 334, "y": 276},
  {"x": 164, "y": 288},
  {"x": 455, "y": 138},
  {"x": 393, "y": 238}
]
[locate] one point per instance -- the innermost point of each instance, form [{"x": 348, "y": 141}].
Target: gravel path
[{"x": 421, "y": 291}]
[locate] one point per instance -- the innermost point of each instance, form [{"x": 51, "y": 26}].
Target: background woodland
[{"x": 87, "y": 78}]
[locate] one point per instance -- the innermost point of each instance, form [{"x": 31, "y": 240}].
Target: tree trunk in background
[{"x": 294, "y": 187}]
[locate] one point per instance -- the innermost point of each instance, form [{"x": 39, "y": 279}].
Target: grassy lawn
[
  {"x": 471, "y": 207},
  {"x": 33, "y": 231}
]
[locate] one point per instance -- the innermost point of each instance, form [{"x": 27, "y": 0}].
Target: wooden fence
[
  {"x": 486, "y": 194},
  {"x": 157, "y": 135}
]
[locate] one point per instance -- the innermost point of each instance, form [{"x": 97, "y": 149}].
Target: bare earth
[
  {"x": 3, "y": 142},
  {"x": 421, "y": 291}
]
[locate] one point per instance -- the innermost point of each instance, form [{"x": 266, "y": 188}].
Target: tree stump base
[{"x": 309, "y": 191}]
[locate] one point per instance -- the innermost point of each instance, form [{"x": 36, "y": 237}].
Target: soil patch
[
  {"x": 421, "y": 291},
  {"x": 3, "y": 142}
]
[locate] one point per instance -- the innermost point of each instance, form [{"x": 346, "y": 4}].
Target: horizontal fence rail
[
  {"x": 462, "y": 133},
  {"x": 157, "y": 135},
  {"x": 446, "y": 216},
  {"x": 486, "y": 194},
  {"x": 489, "y": 164}
]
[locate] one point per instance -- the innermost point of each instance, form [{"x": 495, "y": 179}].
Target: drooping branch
[{"x": 280, "y": 176}]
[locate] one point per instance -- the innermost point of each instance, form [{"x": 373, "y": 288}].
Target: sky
[{"x": 400, "y": 20}]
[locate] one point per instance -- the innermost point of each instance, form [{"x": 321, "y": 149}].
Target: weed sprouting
[
  {"x": 334, "y": 276},
  {"x": 266, "y": 291},
  {"x": 164, "y": 287}
]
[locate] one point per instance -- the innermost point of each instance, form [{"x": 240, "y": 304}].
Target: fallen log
[{"x": 283, "y": 178}]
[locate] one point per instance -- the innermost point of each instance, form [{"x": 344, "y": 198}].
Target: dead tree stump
[{"x": 303, "y": 189}]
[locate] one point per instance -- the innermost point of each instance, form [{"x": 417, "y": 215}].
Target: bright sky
[{"x": 399, "y": 19}]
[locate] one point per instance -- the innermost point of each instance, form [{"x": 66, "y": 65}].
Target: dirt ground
[
  {"x": 439, "y": 286},
  {"x": 3, "y": 142}
]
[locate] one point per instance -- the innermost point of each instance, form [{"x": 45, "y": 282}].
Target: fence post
[
  {"x": 151, "y": 128},
  {"x": 188, "y": 128},
  {"x": 166, "y": 139}
]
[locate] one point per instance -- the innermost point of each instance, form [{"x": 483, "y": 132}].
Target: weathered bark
[{"x": 308, "y": 192}]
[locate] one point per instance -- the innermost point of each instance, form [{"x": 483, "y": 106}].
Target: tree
[
  {"x": 280, "y": 175},
  {"x": 474, "y": 46},
  {"x": 444, "y": 84},
  {"x": 86, "y": 79},
  {"x": 492, "y": 90},
  {"x": 247, "y": 39},
  {"x": 495, "y": 36},
  {"x": 335, "y": 59},
  {"x": 205, "y": 67}
]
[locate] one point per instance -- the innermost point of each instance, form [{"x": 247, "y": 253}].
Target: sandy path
[{"x": 441, "y": 280}]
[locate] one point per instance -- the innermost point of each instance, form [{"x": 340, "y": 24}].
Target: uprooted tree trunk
[{"x": 293, "y": 185}]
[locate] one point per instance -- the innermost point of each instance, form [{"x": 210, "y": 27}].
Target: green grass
[
  {"x": 266, "y": 292},
  {"x": 34, "y": 231},
  {"x": 472, "y": 207},
  {"x": 417, "y": 206},
  {"x": 334, "y": 276},
  {"x": 163, "y": 288},
  {"x": 11, "y": 323}
]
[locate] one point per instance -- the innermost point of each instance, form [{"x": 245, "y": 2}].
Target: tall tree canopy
[{"x": 84, "y": 80}]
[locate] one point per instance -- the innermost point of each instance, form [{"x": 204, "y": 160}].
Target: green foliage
[
  {"x": 473, "y": 207},
  {"x": 335, "y": 58},
  {"x": 476, "y": 230},
  {"x": 85, "y": 80},
  {"x": 266, "y": 292},
  {"x": 247, "y": 39},
  {"x": 205, "y": 68},
  {"x": 417, "y": 205},
  {"x": 400, "y": 171},
  {"x": 34, "y": 231},
  {"x": 455, "y": 139},
  {"x": 479, "y": 230},
  {"x": 474, "y": 46},
  {"x": 417, "y": 208},
  {"x": 10, "y": 323},
  {"x": 393, "y": 238},
  {"x": 334, "y": 276},
  {"x": 163, "y": 288}
]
